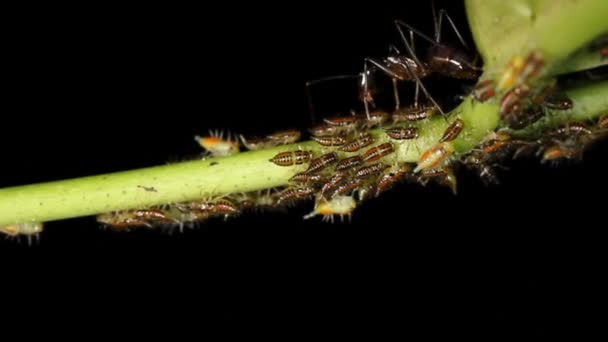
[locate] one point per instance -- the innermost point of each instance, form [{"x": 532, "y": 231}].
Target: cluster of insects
[{"x": 356, "y": 157}]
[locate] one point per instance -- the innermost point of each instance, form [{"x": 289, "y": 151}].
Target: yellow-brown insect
[
  {"x": 388, "y": 180},
  {"x": 308, "y": 179},
  {"x": 336, "y": 140},
  {"x": 340, "y": 205},
  {"x": 347, "y": 187},
  {"x": 377, "y": 152},
  {"x": 285, "y": 137},
  {"x": 452, "y": 131},
  {"x": 292, "y": 158},
  {"x": 26, "y": 228},
  {"x": 369, "y": 171},
  {"x": 484, "y": 91},
  {"x": 434, "y": 157},
  {"x": 348, "y": 163},
  {"x": 322, "y": 162},
  {"x": 135, "y": 218},
  {"x": 362, "y": 141},
  {"x": 295, "y": 194},
  {"x": 402, "y": 133},
  {"x": 414, "y": 113},
  {"x": 532, "y": 66},
  {"x": 334, "y": 181}
]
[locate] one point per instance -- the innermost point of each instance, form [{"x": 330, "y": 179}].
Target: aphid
[
  {"x": 388, "y": 180},
  {"x": 414, "y": 113},
  {"x": 369, "y": 171},
  {"x": 452, "y": 131},
  {"x": 532, "y": 66},
  {"x": 434, "y": 157},
  {"x": 308, "y": 179},
  {"x": 478, "y": 162},
  {"x": 521, "y": 119},
  {"x": 293, "y": 195},
  {"x": 347, "y": 187},
  {"x": 557, "y": 103},
  {"x": 28, "y": 229},
  {"x": 216, "y": 145},
  {"x": 484, "y": 90},
  {"x": 377, "y": 152},
  {"x": 292, "y": 158},
  {"x": 334, "y": 181},
  {"x": 510, "y": 103},
  {"x": 336, "y": 140},
  {"x": 285, "y": 137},
  {"x": 495, "y": 142},
  {"x": 376, "y": 118},
  {"x": 342, "y": 121},
  {"x": 322, "y": 162},
  {"x": 402, "y": 133},
  {"x": 362, "y": 141},
  {"x": 348, "y": 163},
  {"x": 572, "y": 128},
  {"x": 339, "y": 205},
  {"x": 367, "y": 192},
  {"x": 324, "y": 131},
  {"x": 444, "y": 176},
  {"x": 134, "y": 218},
  {"x": 220, "y": 207},
  {"x": 256, "y": 143},
  {"x": 555, "y": 152},
  {"x": 510, "y": 73}
]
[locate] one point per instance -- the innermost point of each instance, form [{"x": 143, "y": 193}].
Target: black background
[{"x": 99, "y": 89}]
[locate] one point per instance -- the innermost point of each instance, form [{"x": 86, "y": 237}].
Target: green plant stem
[
  {"x": 502, "y": 30},
  {"x": 243, "y": 172}
]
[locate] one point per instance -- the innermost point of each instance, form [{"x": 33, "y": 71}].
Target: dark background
[{"x": 100, "y": 89}]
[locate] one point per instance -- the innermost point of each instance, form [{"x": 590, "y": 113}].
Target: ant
[{"x": 441, "y": 59}]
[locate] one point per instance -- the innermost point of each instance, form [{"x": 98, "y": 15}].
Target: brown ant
[{"x": 440, "y": 59}]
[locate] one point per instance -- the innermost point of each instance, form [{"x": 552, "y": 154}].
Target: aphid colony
[{"x": 356, "y": 160}]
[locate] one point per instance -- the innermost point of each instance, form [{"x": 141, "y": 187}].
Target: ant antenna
[{"x": 311, "y": 106}]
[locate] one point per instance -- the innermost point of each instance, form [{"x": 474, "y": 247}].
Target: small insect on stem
[
  {"x": 377, "y": 152},
  {"x": 322, "y": 162},
  {"x": 348, "y": 163},
  {"x": 402, "y": 133},
  {"x": 294, "y": 195},
  {"x": 339, "y": 205},
  {"x": 434, "y": 157},
  {"x": 452, "y": 131},
  {"x": 292, "y": 158},
  {"x": 484, "y": 90},
  {"x": 362, "y": 141},
  {"x": 27, "y": 229},
  {"x": 337, "y": 140},
  {"x": 216, "y": 145},
  {"x": 369, "y": 171},
  {"x": 285, "y": 137}
]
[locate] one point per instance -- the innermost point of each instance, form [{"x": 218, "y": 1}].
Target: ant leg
[
  {"x": 309, "y": 84},
  {"x": 367, "y": 94},
  {"x": 396, "y": 93},
  {"x": 439, "y": 24},
  {"x": 417, "y": 79},
  {"x": 408, "y": 46}
]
